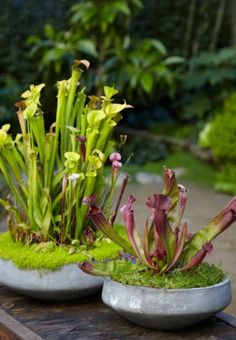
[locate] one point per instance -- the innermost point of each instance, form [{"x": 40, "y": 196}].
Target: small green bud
[
  {"x": 96, "y": 159},
  {"x": 110, "y": 91},
  {"x": 72, "y": 156},
  {"x": 95, "y": 116},
  {"x": 4, "y": 135},
  {"x": 32, "y": 100}
]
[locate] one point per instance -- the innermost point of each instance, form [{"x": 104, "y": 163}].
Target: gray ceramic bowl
[
  {"x": 166, "y": 309},
  {"x": 67, "y": 283}
]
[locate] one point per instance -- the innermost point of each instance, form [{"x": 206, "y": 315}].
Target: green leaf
[
  {"x": 122, "y": 7},
  {"x": 113, "y": 109},
  {"x": 204, "y": 59},
  {"x": 137, "y": 3},
  {"x": 88, "y": 46},
  {"x": 174, "y": 60},
  {"x": 49, "y": 31},
  {"x": 3, "y": 135},
  {"x": 109, "y": 268},
  {"x": 179, "y": 247},
  {"x": 226, "y": 54},
  {"x": 46, "y": 223},
  {"x": 216, "y": 226},
  {"x": 159, "y": 46},
  {"x": 30, "y": 111},
  {"x": 52, "y": 55},
  {"x": 110, "y": 91},
  {"x": 6, "y": 127},
  {"x": 95, "y": 116},
  {"x": 147, "y": 82},
  {"x": 102, "y": 224}
]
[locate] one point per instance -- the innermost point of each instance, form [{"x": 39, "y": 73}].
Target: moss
[
  {"x": 203, "y": 275},
  {"x": 49, "y": 256}
]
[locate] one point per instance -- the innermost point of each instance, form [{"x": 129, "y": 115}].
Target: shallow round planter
[
  {"x": 166, "y": 309},
  {"x": 67, "y": 283}
]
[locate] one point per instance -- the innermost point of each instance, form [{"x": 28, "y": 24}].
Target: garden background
[
  {"x": 180, "y": 75},
  {"x": 173, "y": 61}
]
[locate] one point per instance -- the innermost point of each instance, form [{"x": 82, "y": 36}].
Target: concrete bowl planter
[
  {"x": 166, "y": 309},
  {"x": 67, "y": 283}
]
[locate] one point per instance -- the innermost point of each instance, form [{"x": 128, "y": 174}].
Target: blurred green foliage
[
  {"x": 220, "y": 136},
  {"x": 226, "y": 179},
  {"x": 98, "y": 31},
  {"x": 18, "y": 20},
  {"x": 93, "y": 27},
  {"x": 127, "y": 43},
  {"x": 195, "y": 170},
  {"x": 133, "y": 44},
  {"x": 221, "y": 133},
  {"x": 208, "y": 74},
  {"x": 176, "y": 130},
  {"x": 136, "y": 151},
  {"x": 168, "y": 20}
]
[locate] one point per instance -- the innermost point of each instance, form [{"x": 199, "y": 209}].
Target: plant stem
[
  {"x": 78, "y": 109},
  {"x": 38, "y": 129},
  {"x": 76, "y": 73},
  {"x": 12, "y": 186},
  {"x": 48, "y": 145},
  {"x": 61, "y": 102}
]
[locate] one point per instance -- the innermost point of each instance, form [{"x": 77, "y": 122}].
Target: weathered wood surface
[{"x": 88, "y": 318}]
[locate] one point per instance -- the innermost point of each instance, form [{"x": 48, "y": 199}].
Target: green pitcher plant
[
  {"x": 166, "y": 244},
  {"x": 50, "y": 173}
]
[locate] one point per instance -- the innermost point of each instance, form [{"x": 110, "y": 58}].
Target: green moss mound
[
  {"x": 50, "y": 256},
  {"x": 203, "y": 275}
]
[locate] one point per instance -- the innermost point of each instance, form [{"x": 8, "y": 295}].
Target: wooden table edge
[
  {"x": 227, "y": 318},
  {"x": 12, "y": 329}
]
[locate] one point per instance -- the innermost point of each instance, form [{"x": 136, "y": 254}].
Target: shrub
[
  {"x": 225, "y": 180},
  {"x": 207, "y": 73},
  {"x": 220, "y": 136},
  {"x": 140, "y": 68}
]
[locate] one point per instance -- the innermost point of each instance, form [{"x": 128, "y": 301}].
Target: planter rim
[
  {"x": 151, "y": 289},
  {"x": 166, "y": 309},
  {"x": 67, "y": 283},
  {"x": 39, "y": 270}
]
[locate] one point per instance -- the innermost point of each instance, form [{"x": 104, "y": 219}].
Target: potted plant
[
  {"x": 49, "y": 174},
  {"x": 160, "y": 280}
]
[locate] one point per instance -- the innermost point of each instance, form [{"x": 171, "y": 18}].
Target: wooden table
[{"x": 88, "y": 318}]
